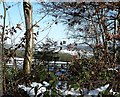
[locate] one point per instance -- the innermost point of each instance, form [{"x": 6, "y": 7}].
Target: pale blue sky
[{"x": 15, "y": 16}]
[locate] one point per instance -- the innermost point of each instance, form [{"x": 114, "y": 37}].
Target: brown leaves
[
  {"x": 109, "y": 36},
  {"x": 6, "y": 38},
  {"x": 112, "y": 36},
  {"x": 97, "y": 10},
  {"x": 21, "y": 45},
  {"x": 100, "y": 46},
  {"x": 116, "y": 36},
  {"x": 103, "y": 5},
  {"x": 19, "y": 26}
]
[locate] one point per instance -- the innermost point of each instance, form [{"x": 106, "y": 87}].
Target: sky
[{"x": 15, "y": 15}]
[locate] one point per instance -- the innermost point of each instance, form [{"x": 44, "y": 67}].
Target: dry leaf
[{"x": 19, "y": 26}]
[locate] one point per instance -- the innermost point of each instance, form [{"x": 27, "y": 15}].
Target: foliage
[
  {"x": 46, "y": 51},
  {"x": 65, "y": 57},
  {"x": 93, "y": 23},
  {"x": 96, "y": 24}
]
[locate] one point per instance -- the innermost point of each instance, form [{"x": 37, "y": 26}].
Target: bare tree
[
  {"x": 94, "y": 23},
  {"x": 28, "y": 36}
]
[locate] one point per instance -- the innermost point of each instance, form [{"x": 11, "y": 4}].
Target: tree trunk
[
  {"x": 1, "y": 80},
  {"x": 29, "y": 37},
  {"x": 3, "y": 67}
]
